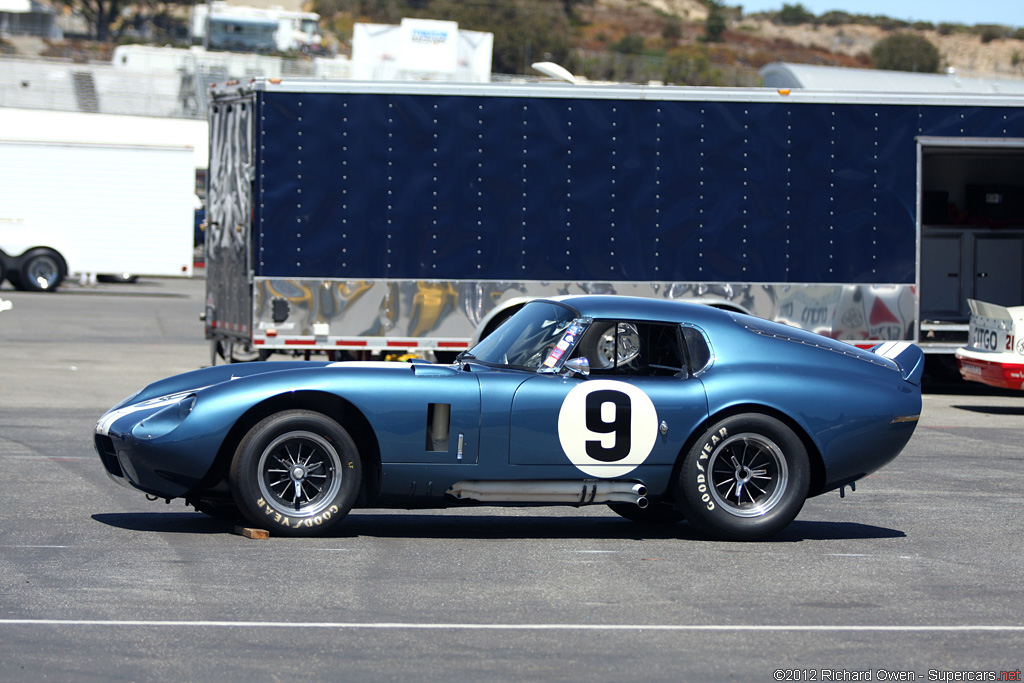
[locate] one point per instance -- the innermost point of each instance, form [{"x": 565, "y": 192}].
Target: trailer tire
[
  {"x": 12, "y": 277},
  {"x": 40, "y": 270},
  {"x": 236, "y": 352}
]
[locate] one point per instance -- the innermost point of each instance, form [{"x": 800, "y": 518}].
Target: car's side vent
[
  {"x": 438, "y": 426},
  {"x": 105, "y": 447}
]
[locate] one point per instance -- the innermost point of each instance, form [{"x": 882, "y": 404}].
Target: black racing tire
[
  {"x": 296, "y": 473},
  {"x": 745, "y": 479},
  {"x": 40, "y": 270},
  {"x": 655, "y": 513}
]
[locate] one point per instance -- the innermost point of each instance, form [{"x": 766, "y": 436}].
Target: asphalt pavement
[{"x": 917, "y": 575}]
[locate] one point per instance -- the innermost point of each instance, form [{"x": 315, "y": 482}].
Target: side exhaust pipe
[{"x": 581, "y": 492}]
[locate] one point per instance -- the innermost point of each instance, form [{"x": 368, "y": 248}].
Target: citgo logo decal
[{"x": 607, "y": 428}]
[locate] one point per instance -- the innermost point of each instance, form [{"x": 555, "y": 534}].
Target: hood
[{"x": 207, "y": 377}]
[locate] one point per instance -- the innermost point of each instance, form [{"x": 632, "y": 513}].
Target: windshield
[{"x": 539, "y": 335}]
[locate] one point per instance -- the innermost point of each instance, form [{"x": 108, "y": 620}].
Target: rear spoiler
[{"x": 908, "y": 358}]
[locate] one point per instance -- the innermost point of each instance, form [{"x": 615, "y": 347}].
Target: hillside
[
  {"x": 1003, "y": 58},
  {"x": 621, "y": 40},
  {"x": 753, "y": 41}
]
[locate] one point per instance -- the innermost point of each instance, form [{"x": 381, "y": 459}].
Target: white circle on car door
[{"x": 607, "y": 428}]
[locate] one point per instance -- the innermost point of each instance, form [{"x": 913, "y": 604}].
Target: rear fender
[{"x": 908, "y": 357}]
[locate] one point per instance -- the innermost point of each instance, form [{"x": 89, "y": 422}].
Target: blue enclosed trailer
[{"x": 349, "y": 216}]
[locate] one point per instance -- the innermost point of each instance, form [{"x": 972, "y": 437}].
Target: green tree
[
  {"x": 630, "y": 44},
  {"x": 836, "y": 18},
  {"x": 990, "y": 32},
  {"x": 906, "y": 52},
  {"x": 672, "y": 30},
  {"x": 714, "y": 25},
  {"x": 691, "y": 67},
  {"x": 525, "y": 31},
  {"x": 794, "y": 14},
  {"x": 99, "y": 14}
]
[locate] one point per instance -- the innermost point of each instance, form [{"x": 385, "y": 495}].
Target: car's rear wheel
[
  {"x": 656, "y": 513},
  {"x": 745, "y": 479},
  {"x": 296, "y": 473}
]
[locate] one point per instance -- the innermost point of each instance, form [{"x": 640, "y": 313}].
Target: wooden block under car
[{"x": 252, "y": 533}]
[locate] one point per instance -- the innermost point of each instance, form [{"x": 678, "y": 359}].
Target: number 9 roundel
[{"x": 607, "y": 428}]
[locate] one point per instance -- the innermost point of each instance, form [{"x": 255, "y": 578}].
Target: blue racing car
[{"x": 659, "y": 409}]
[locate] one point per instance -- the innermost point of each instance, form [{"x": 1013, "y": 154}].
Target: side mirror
[{"x": 577, "y": 366}]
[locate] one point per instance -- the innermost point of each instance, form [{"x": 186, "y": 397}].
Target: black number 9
[{"x": 621, "y": 425}]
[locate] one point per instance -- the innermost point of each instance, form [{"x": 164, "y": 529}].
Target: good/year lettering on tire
[
  {"x": 296, "y": 473},
  {"x": 745, "y": 478}
]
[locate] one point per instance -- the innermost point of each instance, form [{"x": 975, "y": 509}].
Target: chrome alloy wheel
[
  {"x": 748, "y": 474},
  {"x": 300, "y": 473}
]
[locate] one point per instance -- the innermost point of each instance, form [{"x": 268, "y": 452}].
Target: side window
[
  {"x": 633, "y": 348},
  {"x": 696, "y": 348}
]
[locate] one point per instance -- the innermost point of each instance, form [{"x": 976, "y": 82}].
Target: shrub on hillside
[{"x": 906, "y": 52}]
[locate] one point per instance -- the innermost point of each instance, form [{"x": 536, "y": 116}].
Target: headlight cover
[
  {"x": 172, "y": 400},
  {"x": 167, "y": 418}
]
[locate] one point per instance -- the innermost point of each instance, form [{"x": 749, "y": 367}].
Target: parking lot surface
[{"x": 917, "y": 573}]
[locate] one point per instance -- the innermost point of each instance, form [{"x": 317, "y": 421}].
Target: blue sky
[{"x": 1005, "y": 12}]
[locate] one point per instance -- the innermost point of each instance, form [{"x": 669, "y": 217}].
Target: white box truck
[{"x": 71, "y": 203}]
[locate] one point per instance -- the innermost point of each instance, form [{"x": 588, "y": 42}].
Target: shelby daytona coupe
[{"x": 659, "y": 409}]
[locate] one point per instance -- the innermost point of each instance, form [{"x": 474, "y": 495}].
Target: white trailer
[{"x": 71, "y": 204}]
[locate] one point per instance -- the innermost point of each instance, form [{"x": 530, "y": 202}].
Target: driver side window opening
[{"x": 634, "y": 348}]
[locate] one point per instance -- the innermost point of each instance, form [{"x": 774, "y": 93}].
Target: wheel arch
[
  {"x": 817, "y": 480},
  {"x": 38, "y": 248},
  {"x": 328, "y": 405}
]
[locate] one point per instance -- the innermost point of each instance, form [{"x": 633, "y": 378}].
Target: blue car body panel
[{"x": 854, "y": 409}]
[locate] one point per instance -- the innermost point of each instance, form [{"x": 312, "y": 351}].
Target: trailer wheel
[
  {"x": 40, "y": 270},
  {"x": 243, "y": 353},
  {"x": 745, "y": 479},
  {"x": 296, "y": 473},
  {"x": 235, "y": 352}
]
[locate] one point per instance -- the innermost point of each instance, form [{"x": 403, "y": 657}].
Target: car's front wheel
[
  {"x": 745, "y": 479},
  {"x": 296, "y": 473}
]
